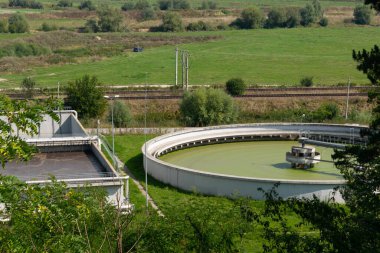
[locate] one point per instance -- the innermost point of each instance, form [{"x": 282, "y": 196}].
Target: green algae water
[{"x": 259, "y": 159}]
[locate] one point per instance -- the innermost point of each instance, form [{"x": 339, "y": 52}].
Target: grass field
[{"x": 278, "y": 56}]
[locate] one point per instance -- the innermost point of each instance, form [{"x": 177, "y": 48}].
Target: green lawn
[{"x": 278, "y": 56}]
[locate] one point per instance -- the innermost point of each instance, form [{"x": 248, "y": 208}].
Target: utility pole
[
  {"x": 348, "y": 96},
  {"x": 187, "y": 70}
]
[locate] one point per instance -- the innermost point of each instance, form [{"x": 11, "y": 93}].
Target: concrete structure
[
  {"x": 69, "y": 154},
  {"x": 220, "y": 184}
]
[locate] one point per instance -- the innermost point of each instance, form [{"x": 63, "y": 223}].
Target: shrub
[
  {"x": 276, "y": 18},
  {"x": 109, "y": 19},
  {"x": 21, "y": 49},
  {"x": 85, "y": 96},
  {"x": 128, "y": 6},
  {"x": 172, "y": 22},
  {"x": 3, "y": 26},
  {"x": 199, "y": 26},
  {"x": 327, "y": 111},
  {"x": 147, "y": 14},
  {"x": 65, "y": 3},
  {"x": 307, "y": 15},
  {"x": 25, "y": 4},
  {"x": 141, "y": 5},
  {"x": 293, "y": 18},
  {"x": 173, "y": 4},
  {"x": 362, "y": 15},
  {"x": 235, "y": 86},
  {"x": 207, "y": 107},
  {"x": 318, "y": 11},
  {"x": 48, "y": 27},
  {"x": 27, "y": 86},
  {"x": 208, "y": 5},
  {"x": 91, "y": 26},
  {"x": 87, "y": 5},
  {"x": 17, "y": 24},
  {"x": 324, "y": 22},
  {"x": 121, "y": 114},
  {"x": 251, "y": 18},
  {"x": 307, "y": 81}
]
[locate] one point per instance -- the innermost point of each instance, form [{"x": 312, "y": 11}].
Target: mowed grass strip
[{"x": 277, "y": 56}]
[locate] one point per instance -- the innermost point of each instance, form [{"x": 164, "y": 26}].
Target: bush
[
  {"x": 293, "y": 18},
  {"x": 362, "y": 15},
  {"x": 251, "y": 18},
  {"x": 25, "y": 4},
  {"x": 207, "y": 107},
  {"x": 85, "y": 96},
  {"x": 324, "y": 22},
  {"x": 27, "y": 87},
  {"x": 87, "y": 5},
  {"x": 173, "y": 4},
  {"x": 307, "y": 81},
  {"x": 142, "y": 4},
  {"x": 48, "y": 27},
  {"x": 91, "y": 26},
  {"x": 110, "y": 19},
  {"x": 199, "y": 26},
  {"x": 128, "y": 6},
  {"x": 17, "y": 24},
  {"x": 3, "y": 26},
  {"x": 307, "y": 15},
  {"x": 276, "y": 18},
  {"x": 235, "y": 86},
  {"x": 121, "y": 114},
  {"x": 172, "y": 22},
  {"x": 65, "y": 3},
  {"x": 208, "y": 5},
  {"x": 21, "y": 49},
  {"x": 147, "y": 14},
  {"x": 327, "y": 111}
]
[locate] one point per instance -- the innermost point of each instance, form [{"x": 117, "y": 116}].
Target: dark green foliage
[
  {"x": 235, "y": 86},
  {"x": 110, "y": 20},
  {"x": 362, "y": 15},
  {"x": 205, "y": 107},
  {"x": 48, "y": 27},
  {"x": 21, "y": 49},
  {"x": 65, "y": 3},
  {"x": 28, "y": 87},
  {"x": 172, "y": 22},
  {"x": 3, "y": 26},
  {"x": 121, "y": 114},
  {"x": 208, "y": 5},
  {"x": 307, "y": 15},
  {"x": 251, "y": 18},
  {"x": 375, "y": 4},
  {"x": 26, "y": 4},
  {"x": 128, "y": 6},
  {"x": 174, "y": 4},
  {"x": 141, "y": 5},
  {"x": 87, "y": 5},
  {"x": 199, "y": 26},
  {"x": 318, "y": 11},
  {"x": 147, "y": 14},
  {"x": 293, "y": 18},
  {"x": 91, "y": 26},
  {"x": 307, "y": 81},
  {"x": 17, "y": 24},
  {"x": 369, "y": 63},
  {"x": 276, "y": 18},
  {"x": 84, "y": 96},
  {"x": 326, "y": 111},
  {"x": 324, "y": 22}
]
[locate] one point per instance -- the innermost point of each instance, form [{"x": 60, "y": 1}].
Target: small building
[
  {"x": 303, "y": 157},
  {"x": 68, "y": 153}
]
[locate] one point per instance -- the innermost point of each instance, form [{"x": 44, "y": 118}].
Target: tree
[
  {"x": 362, "y": 15},
  {"x": 141, "y": 5},
  {"x": 110, "y": 20},
  {"x": 87, "y": 5},
  {"x": 173, "y": 4},
  {"x": 375, "y": 4},
  {"x": 17, "y": 24},
  {"x": 251, "y": 18},
  {"x": 276, "y": 18},
  {"x": 292, "y": 18},
  {"x": 235, "y": 86},
  {"x": 28, "y": 86},
  {"x": 121, "y": 114},
  {"x": 307, "y": 15},
  {"x": 65, "y": 3},
  {"x": 205, "y": 107},
  {"x": 172, "y": 22},
  {"x": 369, "y": 63},
  {"x": 26, "y": 116},
  {"x": 84, "y": 96}
]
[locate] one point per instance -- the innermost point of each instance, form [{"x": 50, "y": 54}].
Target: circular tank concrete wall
[{"x": 226, "y": 185}]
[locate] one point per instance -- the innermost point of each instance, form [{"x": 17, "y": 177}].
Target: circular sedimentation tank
[{"x": 239, "y": 159}]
